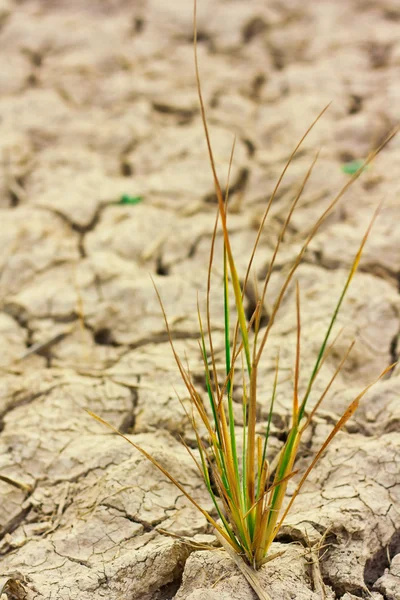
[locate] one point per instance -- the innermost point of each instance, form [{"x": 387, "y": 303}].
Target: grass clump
[{"x": 248, "y": 491}]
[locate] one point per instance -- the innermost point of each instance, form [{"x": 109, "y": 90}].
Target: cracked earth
[{"x": 98, "y": 100}]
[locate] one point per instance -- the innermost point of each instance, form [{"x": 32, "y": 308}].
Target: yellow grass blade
[
  {"x": 222, "y": 212},
  {"x": 310, "y": 236},
  {"x": 328, "y": 387},
  {"x": 342, "y": 421},
  {"x": 281, "y": 237},
  {"x": 277, "y": 186},
  {"x": 166, "y": 473},
  {"x": 351, "y": 274}
]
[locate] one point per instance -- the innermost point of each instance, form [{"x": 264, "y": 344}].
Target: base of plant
[{"x": 251, "y": 575}]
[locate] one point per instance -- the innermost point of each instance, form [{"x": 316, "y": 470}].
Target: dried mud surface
[{"x": 98, "y": 100}]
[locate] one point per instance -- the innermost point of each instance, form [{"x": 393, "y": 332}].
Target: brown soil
[{"x": 98, "y": 101}]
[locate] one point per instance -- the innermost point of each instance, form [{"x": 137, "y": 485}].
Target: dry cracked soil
[{"x": 98, "y": 101}]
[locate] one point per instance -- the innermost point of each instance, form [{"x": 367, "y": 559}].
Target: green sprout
[
  {"x": 350, "y": 168},
  {"x": 126, "y": 199}
]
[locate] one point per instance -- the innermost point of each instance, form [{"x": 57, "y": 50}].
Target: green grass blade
[
  {"x": 310, "y": 236},
  {"x": 244, "y": 453},
  {"x": 220, "y": 454},
  {"x": 342, "y": 421},
  {"x": 285, "y": 467},
  {"x": 229, "y": 374},
  {"x": 226, "y": 319},
  {"x": 352, "y": 272},
  {"x": 220, "y": 446}
]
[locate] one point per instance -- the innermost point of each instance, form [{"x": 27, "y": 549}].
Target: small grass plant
[{"x": 247, "y": 490}]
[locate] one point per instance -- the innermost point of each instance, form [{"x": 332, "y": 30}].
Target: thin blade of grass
[
  {"x": 270, "y": 488},
  {"x": 238, "y": 351},
  {"x": 206, "y": 476},
  {"x": 230, "y": 481},
  {"x": 285, "y": 467},
  {"x": 230, "y": 375},
  {"x": 192, "y": 392},
  {"x": 251, "y": 441},
  {"x": 229, "y": 371},
  {"x": 210, "y": 392},
  {"x": 297, "y": 363},
  {"x": 310, "y": 236},
  {"x": 226, "y": 323},
  {"x": 192, "y": 456},
  {"x": 208, "y": 311},
  {"x": 277, "y": 186},
  {"x": 221, "y": 205},
  {"x": 328, "y": 387},
  {"x": 278, "y": 244},
  {"x": 244, "y": 453},
  {"x": 329, "y": 349},
  {"x": 342, "y": 421},
  {"x": 352, "y": 272},
  {"x": 271, "y": 408},
  {"x": 164, "y": 472},
  {"x": 219, "y": 445}
]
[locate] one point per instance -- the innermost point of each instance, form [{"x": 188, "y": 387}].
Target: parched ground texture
[{"x": 98, "y": 101}]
